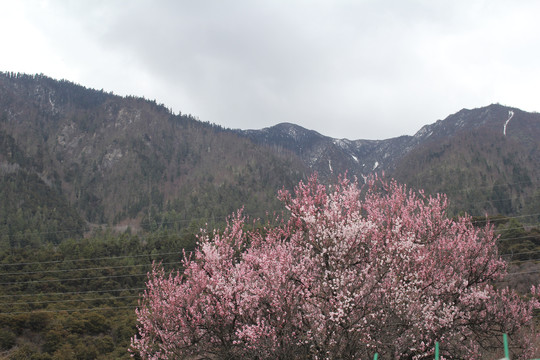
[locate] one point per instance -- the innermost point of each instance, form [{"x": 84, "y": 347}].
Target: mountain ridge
[
  {"x": 517, "y": 132},
  {"x": 118, "y": 159},
  {"x": 295, "y": 135},
  {"x": 128, "y": 160}
]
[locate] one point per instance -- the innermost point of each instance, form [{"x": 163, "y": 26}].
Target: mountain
[
  {"x": 487, "y": 160},
  {"x": 328, "y": 156},
  {"x": 129, "y": 161},
  {"x": 72, "y": 158}
]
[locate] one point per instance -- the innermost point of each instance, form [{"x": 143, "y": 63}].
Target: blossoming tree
[{"x": 350, "y": 272}]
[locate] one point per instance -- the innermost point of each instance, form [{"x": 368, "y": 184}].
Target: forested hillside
[
  {"x": 119, "y": 161},
  {"x": 487, "y": 159},
  {"x": 486, "y": 168}
]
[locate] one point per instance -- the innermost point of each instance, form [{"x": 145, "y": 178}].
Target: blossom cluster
[{"x": 350, "y": 272}]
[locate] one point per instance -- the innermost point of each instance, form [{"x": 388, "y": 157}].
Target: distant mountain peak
[{"x": 506, "y": 130}]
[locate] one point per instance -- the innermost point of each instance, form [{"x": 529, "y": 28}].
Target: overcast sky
[{"x": 347, "y": 69}]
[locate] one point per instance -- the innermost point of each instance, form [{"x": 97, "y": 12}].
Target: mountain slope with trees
[
  {"x": 125, "y": 160},
  {"x": 487, "y": 160},
  {"x": 482, "y": 163}
]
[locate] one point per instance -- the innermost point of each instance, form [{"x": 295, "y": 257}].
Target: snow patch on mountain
[
  {"x": 342, "y": 143},
  {"x": 425, "y": 131},
  {"x": 510, "y": 116}
]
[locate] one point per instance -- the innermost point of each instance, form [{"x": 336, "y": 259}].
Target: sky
[{"x": 347, "y": 69}]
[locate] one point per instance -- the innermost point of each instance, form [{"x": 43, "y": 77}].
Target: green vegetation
[
  {"x": 481, "y": 173},
  {"x": 519, "y": 245},
  {"x": 115, "y": 159},
  {"x": 76, "y": 300},
  {"x": 32, "y": 213}
]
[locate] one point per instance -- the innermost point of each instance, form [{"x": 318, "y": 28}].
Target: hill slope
[
  {"x": 118, "y": 159},
  {"x": 480, "y": 160},
  {"x": 486, "y": 159},
  {"x": 105, "y": 159}
]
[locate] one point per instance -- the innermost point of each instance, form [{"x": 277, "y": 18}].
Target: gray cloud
[{"x": 354, "y": 69}]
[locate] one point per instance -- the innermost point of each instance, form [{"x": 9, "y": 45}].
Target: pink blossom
[{"x": 350, "y": 272}]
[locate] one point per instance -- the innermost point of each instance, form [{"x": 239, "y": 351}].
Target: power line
[
  {"x": 143, "y": 288},
  {"x": 503, "y": 218},
  {"x": 84, "y": 269},
  {"x": 74, "y": 292},
  {"x": 521, "y": 253},
  {"x": 66, "y": 301},
  {"x": 107, "y": 258},
  {"x": 500, "y": 239},
  {"x": 167, "y": 263},
  {"x": 150, "y": 235},
  {"x": 68, "y": 310},
  {"x": 118, "y": 297},
  {"x": 72, "y": 279},
  {"x": 69, "y": 300},
  {"x": 523, "y": 272},
  {"x": 95, "y": 259},
  {"x": 214, "y": 218}
]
